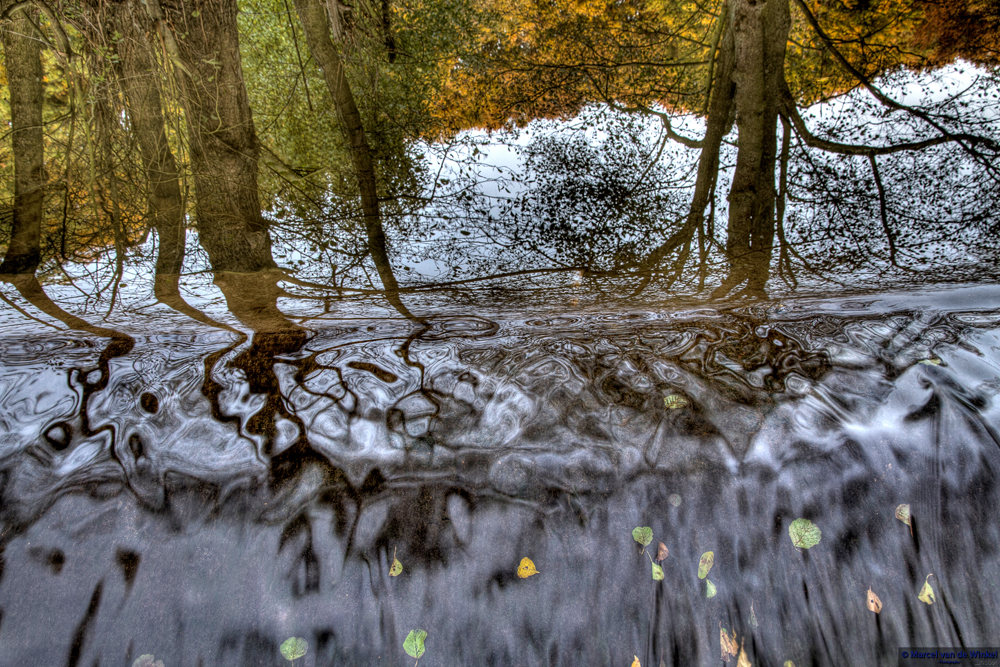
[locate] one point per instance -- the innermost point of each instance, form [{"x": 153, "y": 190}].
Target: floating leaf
[
  {"x": 931, "y": 362},
  {"x": 657, "y": 572},
  {"x": 743, "y": 660},
  {"x": 674, "y": 401},
  {"x": 710, "y": 589},
  {"x": 753, "y": 616},
  {"x": 643, "y": 535},
  {"x": 927, "y": 593},
  {"x": 789, "y": 663},
  {"x": 674, "y": 500},
  {"x": 874, "y": 604},
  {"x": 147, "y": 661},
  {"x": 705, "y": 564},
  {"x": 526, "y": 568},
  {"x": 804, "y": 533},
  {"x": 903, "y": 514},
  {"x": 293, "y": 648},
  {"x": 729, "y": 647},
  {"x": 397, "y": 567},
  {"x": 635, "y": 663},
  {"x": 661, "y": 551},
  {"x": 414, "y": 644}
]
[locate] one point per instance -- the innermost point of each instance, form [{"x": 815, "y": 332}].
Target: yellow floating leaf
[
  {"x": 743, "y": 660},
  {"x": 874, "y": 604},
  {"x": 397, "y": 568},
  {"x": 927, "y": 593},
  {"x": 526, "y": 568},
  {"x": 635, "y": 663},
  {"x": 674, "y": 401},
  {"x": 789, "y": 663},
  {"x": 729, "y": 647},
  {"x": 903, "y": 514}
]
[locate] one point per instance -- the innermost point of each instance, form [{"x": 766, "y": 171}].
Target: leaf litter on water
[
  {"x": 674, "y": 499},
  {"x": 661, "y": 551},
  {"x": 526, "y": 568},
  {"x": 874, "y": 604},
  {"x": 657, "y": 570},
  {"x": 710, "y": 589},
  {"x": 903, "y": 514},
  {"x": 643, "y": 535},
  {"x": 728, "y": 644},
  {"x": 705, "y": 564},
  {"x": 674, "y": 402},
  {"x": 804, "y": 533},
  {"x": 414, "y": 644},
  {"x": 397, "y": 567},
  {"x": 147, "y": 660},
  {"x": 293, "y": 648},
  {"x": 927, "y": 593}
]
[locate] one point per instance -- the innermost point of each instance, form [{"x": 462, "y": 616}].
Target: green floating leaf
[
  {"x": 293, "y": 648},
  {"x": 147, "y": 661},
  {"x": 396, "y": 568},
  {"x": 709, "y": 589},
  {"x": 931, "y": 362},
  {"x": 414, "y": 643},
  {"x": 705, "y": 564},
  {"x": 674, "y": 401},
  {"x": 674, "y": 500},
  {"x": 927, "y": 593},
  {"x": 657, "y": 572},
  {"x": 789, "y": 663},
  {"x": 643, "y": 535},
  {"x": 804, "y": 533}
]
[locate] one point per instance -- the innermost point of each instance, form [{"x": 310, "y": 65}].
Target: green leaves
[
  {"x": 903, "y": 514},
  {"x": 293, "y": 648},
  {"x": 657, "y": 572},
  {"x": 674, "y": 500},
  {"x": 804, "y": 533},
  {"x": 414, "y": 644},
  {"x": 927, "y": 593},
  {"x": 674, "y": 402},
  {"x": 705, "y": 564},
  {"x": 643, "y": 535},
  {"x": 710, "y": 589}
]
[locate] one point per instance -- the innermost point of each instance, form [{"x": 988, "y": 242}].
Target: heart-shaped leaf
[
  {"x": 804, "y": 533},
  {"x": 643, "y": 535},
  {"x": 293, "y": 648}
]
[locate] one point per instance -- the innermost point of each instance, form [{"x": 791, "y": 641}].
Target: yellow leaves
[
  {"x": 397, "y": 567},
  {"x": 927, "y": 593},
  {"x": 903, "y": 514},
  {"x": 728, "y": 644},
  {"x": 526, "y": 568},
  {"x": 635, "y": 663},
  {"x": 874, "y": 604},
  {"x": 743, "y": 660}
]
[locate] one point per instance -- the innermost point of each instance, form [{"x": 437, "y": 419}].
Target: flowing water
[{"x": 205, "y": 493}]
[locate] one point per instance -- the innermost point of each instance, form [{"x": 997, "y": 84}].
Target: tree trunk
[
  {"x": 316, "y": 26},
  {"x": 138, "y": 73},
  {"x": 22, "y": 54},
  {"x": 203, "y": 42},
  {"x": 760, "y": 32}
]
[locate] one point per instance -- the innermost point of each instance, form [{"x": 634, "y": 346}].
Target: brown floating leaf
[
  {"x": 729, "y": 647},
  {"x": 662, "y": 551},
  {"x": 874, "y": 604},
  {"x": 743, "y": 660}
]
